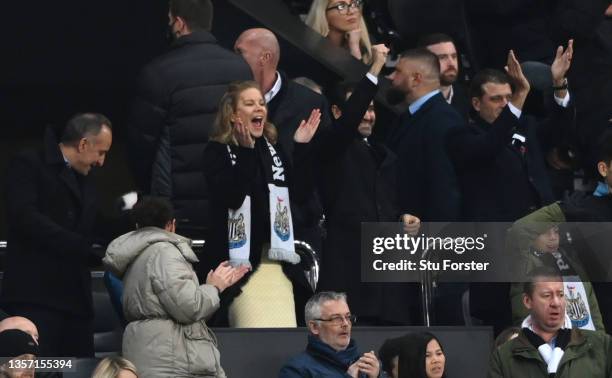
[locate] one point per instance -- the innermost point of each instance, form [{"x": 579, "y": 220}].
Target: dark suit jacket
[
  {"x": 292, "y": 104},
  {"x": 461, "y": 101},
  {"x": 427, "y": 183},
  {"x": 51, "y": 212},
  {"x": 498, "y": 183}
]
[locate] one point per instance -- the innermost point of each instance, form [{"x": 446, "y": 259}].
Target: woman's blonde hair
[
  {"x": 222, "y": 131},
  {"x": 317, "y": 20},
  {"x": 110, "y": 367}
]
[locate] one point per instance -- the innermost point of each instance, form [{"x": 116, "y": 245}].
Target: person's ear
[
  {"x": 313, "y": 327},
  {"x": 82, "y": 144},
  {"x": 336, "y": 112},
  {"x": 602, "y": 168},
  {"x": 476, "y": 103},
  {"x": 527, "y": 301},
  {"x": 181, "y": 25},
  {"x": 265, "y": 57},
  {"x": 171, "y": 225}
]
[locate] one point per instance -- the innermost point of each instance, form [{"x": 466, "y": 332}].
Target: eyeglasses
[
  {"x": 338, "y": 320},
  {"x": 343, "y": 8}
]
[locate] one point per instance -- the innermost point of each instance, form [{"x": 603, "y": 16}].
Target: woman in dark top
[
  {"x": 249, "y": 180},
  {"x": 421, "y": 356}
]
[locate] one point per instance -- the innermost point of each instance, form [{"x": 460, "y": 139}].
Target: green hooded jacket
[{"x": 586, "y": 355}]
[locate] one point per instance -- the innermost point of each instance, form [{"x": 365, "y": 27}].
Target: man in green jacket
[{"x": 547, "y": 345}]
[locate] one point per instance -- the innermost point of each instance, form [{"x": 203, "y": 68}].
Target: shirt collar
[
  {"x": 275, "y": 88},
  {"x": 601, "y": 190},
  {"x": 415, "y": 106},
  {"x": 451, "y": 93}
]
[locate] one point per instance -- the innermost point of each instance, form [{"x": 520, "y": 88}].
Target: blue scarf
[{"x": 340, "y": 359}]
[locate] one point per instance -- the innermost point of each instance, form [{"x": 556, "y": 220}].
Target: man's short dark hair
[
  {"x": 605, "y": 147},
  {"x": 425, "y": 56},
  {"x": 434, "y": 39},
  {"x": 82, "y": 125},
  {"x": 336, "y": 95},
  {"x": 537, "y": 274},
  {"x": 152, "y": 212},
  {"x": 485, "y": 76},
  {"x": 198, "y": 14}
]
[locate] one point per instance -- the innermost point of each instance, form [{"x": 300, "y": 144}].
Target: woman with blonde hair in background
[
  {"x": 115, "y": 367},
  {"x": 342, "y": 23}
]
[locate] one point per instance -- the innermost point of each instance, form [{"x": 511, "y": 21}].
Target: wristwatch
[{"x": 562, "y": 86}]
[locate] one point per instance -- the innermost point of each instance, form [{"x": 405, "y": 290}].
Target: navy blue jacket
[
  {"x": 427, "y": 183},
  {"x": 498, "y": 182},
  {"x": 320, "y": 360}
]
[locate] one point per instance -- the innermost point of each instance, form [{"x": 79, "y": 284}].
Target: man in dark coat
[
  {"x": 173, "y": 113},
  {"x": 499, "y": 157},
  {"x": 51, "y": 208},
  {"x": 288, "y": 104},
  {"x": 427, "y": 183},
  {"x": 501, "y": 166},
  {"x": 357, "y": 184}
]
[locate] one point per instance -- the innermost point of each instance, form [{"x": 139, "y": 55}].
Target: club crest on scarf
[
  {"x": 576, "y": 308},
  {"x": 281, "y": 220},
  {"x": 237, "y": 231}
]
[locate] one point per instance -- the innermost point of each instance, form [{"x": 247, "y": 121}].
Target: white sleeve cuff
[
  {"x": 516, "y": 111},
  {"x": 562, "y": 101},
  {"x": 372, "y": 78}
]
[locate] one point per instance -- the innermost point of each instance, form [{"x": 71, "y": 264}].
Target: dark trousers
[{"x": 60, "y": 334}]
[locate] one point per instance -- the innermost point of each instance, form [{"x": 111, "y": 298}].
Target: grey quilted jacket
[{"x": 165, "y": 305}]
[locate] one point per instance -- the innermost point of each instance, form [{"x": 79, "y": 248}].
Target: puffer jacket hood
[{"x": 122, "y": 251}]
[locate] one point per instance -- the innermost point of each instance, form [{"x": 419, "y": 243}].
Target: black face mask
[{"x": 170, "y": 35}]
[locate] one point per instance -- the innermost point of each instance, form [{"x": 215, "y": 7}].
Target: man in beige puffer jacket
[{"x": 162, "y": 300}]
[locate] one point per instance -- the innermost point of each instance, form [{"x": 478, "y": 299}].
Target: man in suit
[
  {"x": 427, "y": 182},
  {"x": 443, "y": 46},
  {"x": 501, "y": 165},
  {"x": 288, "y": 102},
  {"x": 499, "y": 158},
  {"x": 51, "y": 209}
]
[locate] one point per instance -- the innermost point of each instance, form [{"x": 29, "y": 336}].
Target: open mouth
[{"x": 257, "y": 121}]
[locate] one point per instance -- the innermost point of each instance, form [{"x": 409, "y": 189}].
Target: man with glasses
[{"x": 330, "y": 351}]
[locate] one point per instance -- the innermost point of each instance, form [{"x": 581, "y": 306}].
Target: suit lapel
[
  {"x": 67, "y": 175},
  {"x": 54, "y": 157}
]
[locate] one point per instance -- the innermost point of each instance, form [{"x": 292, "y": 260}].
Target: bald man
[
  {"x": 288, "y": 104},
  {"x": 20, "y": 323},
  {"x": 427, "y": 182}
]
